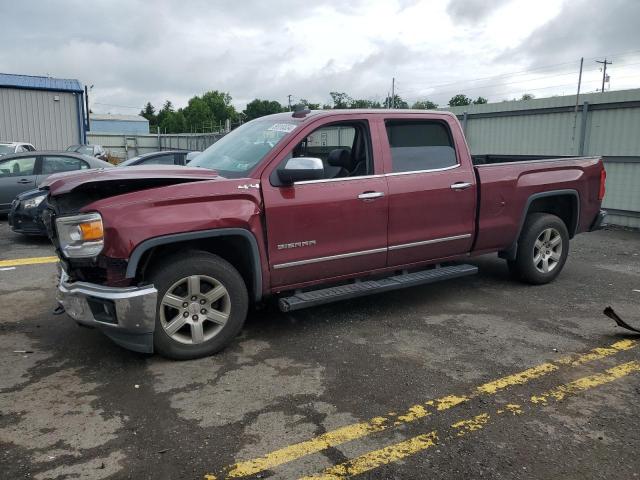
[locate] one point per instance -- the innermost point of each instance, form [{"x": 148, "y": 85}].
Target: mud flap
[{"x": 609, "y": 312}]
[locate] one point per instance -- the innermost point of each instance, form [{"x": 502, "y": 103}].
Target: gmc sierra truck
[{"x": 306, "y": 207}]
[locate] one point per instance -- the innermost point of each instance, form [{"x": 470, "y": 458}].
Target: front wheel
[
  {"x": 542, "y": 249},
  {"x": 202, "y": 305}
]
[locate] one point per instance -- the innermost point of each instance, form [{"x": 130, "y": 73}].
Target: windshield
[
  {"x": 6, "y": 149},
  {"x": 235, "y": 154}
]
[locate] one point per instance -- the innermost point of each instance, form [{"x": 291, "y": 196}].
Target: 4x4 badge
[{"x": 248, "y": 186}]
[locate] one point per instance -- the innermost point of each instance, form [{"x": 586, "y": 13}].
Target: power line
[{"x": 524, "y": 72}]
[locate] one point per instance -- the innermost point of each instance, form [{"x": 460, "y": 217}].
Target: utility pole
[
  {"x": 575, "y": 110},
  {"x": 604, "y": 71},
  {"x": 393, "y": 93},
  {"x": 289, "y": 97}
]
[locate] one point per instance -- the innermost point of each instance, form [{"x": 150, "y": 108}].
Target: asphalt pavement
[{"x": 479, "y": 377}]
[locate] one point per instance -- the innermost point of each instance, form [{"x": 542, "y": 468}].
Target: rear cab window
[{"x": 420, "y": 145}]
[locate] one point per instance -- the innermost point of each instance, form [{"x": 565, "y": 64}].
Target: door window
[
  {"x": 344, "y": 149},
  {"x": 420, "y": 145},
  {"x": 52, "y": 164},
  {"x": 17, "y": 167}
]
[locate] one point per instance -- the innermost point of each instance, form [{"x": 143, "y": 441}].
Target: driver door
[{"x": 331, "y": 227}]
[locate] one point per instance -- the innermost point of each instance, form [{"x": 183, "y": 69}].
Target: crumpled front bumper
[{"x": 126, "y": 315}]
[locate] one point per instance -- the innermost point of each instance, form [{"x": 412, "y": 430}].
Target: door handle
[
  {"x": 370, "y": 195},
  {"x": 460, "y": 186},
  {"x": 24, "y": 180}
]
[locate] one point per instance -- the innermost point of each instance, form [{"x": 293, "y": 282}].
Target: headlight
[
  {"x": 80, "y": 236},
  {"x": 34, "y": 202}
]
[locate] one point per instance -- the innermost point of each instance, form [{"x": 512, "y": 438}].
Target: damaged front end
[{"x": 93, "y": 288}]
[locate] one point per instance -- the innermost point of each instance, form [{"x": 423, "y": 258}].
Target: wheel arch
[
  {"x": 236, "y": 245},
  {"x": 565, "y": 204}
]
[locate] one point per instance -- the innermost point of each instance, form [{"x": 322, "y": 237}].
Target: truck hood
[{"x": 125, "y": 178}]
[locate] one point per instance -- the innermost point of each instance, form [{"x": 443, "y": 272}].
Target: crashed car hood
[{"x": 61, "y": 183}]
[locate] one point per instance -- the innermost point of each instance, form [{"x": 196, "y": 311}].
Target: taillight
[{"x": 603, "y": 181}]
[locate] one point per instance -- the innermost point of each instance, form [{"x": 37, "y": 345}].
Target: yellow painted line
[
  {"x": 413, "y": 413},
  {"x": 585, "y": 383},
  {"x": 398, "y": 451},
  {"x": 377, "y": 458},
  {"x": 17, "y": 262}
]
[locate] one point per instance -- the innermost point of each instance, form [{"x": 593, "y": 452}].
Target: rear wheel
[
  {"x": 202, "y": 305},
  {"x": 542, "y": 249}
]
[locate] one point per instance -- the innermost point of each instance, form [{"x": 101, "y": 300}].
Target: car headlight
[
  {"x": 34, "y": 202},
  {"x": 80, "y": 236}
]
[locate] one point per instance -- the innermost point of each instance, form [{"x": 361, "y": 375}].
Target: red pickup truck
[{"x": 308, "y": 207}]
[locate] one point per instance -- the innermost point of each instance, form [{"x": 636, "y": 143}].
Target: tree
[
  {"x": 259, "y": 108},
  {"x": 424, "y": 105},
  {"x": 527, "y": 96},
  {"x": 361, "y": 103},
  {"x": 173, "y": 122},
  {"x": 459, "y": 100},
  {"x": 220, "y": 105},
  {"x": 149, "y": 112},
  {"x": 167, "y": 108},
  {"x": 480, "y": 101},
  {"x": 307, "y": 103},
  {"x": 396, "y": 102},
  {"x": 340, "y": 100},
  {"x": 198, "y": 115}
]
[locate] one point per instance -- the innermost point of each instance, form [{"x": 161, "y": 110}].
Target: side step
[{"x": 333, "y": 294}]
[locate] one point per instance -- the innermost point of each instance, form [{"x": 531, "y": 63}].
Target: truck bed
[{"x": 506, "y": 189}]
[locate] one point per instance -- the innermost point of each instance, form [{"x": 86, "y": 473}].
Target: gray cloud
[
  {"x": 583, "y": 28},
  {"x": 472, "y": 11},
  {"x": 135, "y": 51}
]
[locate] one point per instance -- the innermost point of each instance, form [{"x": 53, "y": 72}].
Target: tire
[
  {"x": 543, "y": 248},
  {"x": 216, "y": 302}
]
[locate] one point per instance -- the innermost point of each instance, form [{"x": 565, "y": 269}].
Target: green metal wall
[{"x": 606, "y": 124}]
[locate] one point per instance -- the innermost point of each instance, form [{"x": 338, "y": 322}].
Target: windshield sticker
[{"x": 283, "y": 127}]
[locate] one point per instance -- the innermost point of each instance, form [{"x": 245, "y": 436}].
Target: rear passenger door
[{"x": 432, "y": 195}]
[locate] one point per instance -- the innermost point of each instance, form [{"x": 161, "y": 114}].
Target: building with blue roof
[{"x": 44, "y": 111}]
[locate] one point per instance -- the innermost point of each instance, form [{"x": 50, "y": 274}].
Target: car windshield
[
  {"x": 235, "y": 154},
  {"x": 6, "y": 149}
]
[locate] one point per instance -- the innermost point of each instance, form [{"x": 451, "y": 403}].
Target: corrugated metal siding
[
  {"x": 623, "y": 191},
  {"x": 128, "y": 146},
  {"x": 610, "y": 132},
  {"x": 614, "y": 132},
  {"x": 34, "y": 116},
  {"x": 119, "y": 126},
  {"x": 547, "y": 134}
]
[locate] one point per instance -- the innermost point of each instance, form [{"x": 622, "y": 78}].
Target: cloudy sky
[{"x": 134, "y": 51}]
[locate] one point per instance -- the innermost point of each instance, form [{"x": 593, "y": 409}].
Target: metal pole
[
  {"x": 604, "y": 71},
  {"x": 393, "y": 92},
  {"x": 583, "y": 129},
  {"x": 575, "y": 110}
]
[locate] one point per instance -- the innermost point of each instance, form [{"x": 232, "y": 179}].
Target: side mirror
[{"x": 299, "y": 169}]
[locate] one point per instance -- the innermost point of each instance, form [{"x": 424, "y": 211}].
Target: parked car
[
  {"x": 163, "y": 157},
  {"x": 15, "y": 147},
  {"x": 309, "y": 207},
  {"x": 90, "y": 150},
  {"x": 24, "y": 171}
]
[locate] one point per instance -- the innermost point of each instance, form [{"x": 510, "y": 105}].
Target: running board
[{"x": 361, "y": 288}]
